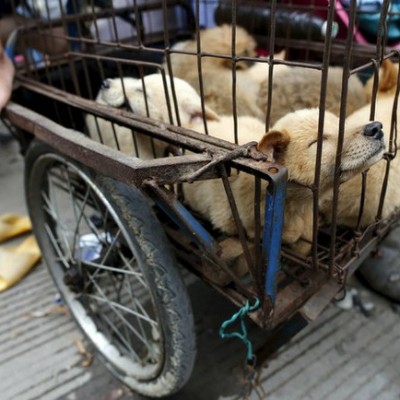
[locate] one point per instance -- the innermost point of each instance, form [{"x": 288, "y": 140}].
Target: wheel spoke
[
  {"x": 128, "y": 264},
  {"x": 116, "y": 308},
  {"x": 66, "y": 178},
  {"x": 112, "y": 245},
  {"x": 53, "y": 213},
  {"x": 56, "y": 246},
  {"x": 115, "y": 330},
  {"x": 80, "y": 217},
  {"x": 112, "y": 269},
  {"x": 135, "y": 303}
]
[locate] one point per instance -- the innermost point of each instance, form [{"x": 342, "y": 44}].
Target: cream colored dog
[
  {"x": 292, "y": 143},
  {"x": 218, "y": 41},
  {"x": 295, "y": 88},
  {"x": 350, "y": 192},
  {"x": 216, "y": 71}
]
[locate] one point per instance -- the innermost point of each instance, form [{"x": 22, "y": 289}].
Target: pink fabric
[{"x": 344, "y": 17}]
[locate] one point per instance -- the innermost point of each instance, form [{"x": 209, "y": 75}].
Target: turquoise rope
[{"x": 243, "y": 334}]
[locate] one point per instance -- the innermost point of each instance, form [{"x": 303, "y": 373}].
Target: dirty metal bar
[
  {"x": 181, "y": 216},
  {"x": 271, "y": 50},
  {"x": 293, "y": 296},
  {"x": 193, "y": 229},
  {"x": 352, "y": 264},
  {"x": 191, "y": 140},
  {"x": 272, "y": 234},
  {"x": 105, "y": 160},
  {"x": 179, "y": 136},
  {"x": 321, "y": 122},
  {"x": 98, "y": 14},
  {"x": 239, "y": 225},
  {"x": 363, "y": 51},
  {"x": 345, "y": 77},
  {"x": 234, "y": 66}
]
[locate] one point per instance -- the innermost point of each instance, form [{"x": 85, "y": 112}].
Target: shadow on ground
[{"x": 218, "y": 372}]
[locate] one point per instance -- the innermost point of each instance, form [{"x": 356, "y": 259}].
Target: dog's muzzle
[
  {"x": 373, "y": 130},
  {"x": 105, "y": 84}
]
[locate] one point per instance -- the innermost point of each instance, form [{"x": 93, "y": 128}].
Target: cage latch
[{"x": 218, "y": 158}]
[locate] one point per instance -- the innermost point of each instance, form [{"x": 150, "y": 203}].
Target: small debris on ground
[
  {"x": 115, "y": 394},
  {"x": 58, "y": 299},
  {"x": 88, "y": 360},
  {"x": 346, "y": 303},
  {"x": 52, "y": 310},
  {"x": 353, "y": 299},
  {"x": 396, "y": 307}
]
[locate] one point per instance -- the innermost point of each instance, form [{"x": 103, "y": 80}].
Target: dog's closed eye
[{"x": 324, "y": 137}]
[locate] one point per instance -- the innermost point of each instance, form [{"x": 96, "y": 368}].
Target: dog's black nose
[
  {"x": 374, "y": 130},
  {"x": 105, "y": 84}
]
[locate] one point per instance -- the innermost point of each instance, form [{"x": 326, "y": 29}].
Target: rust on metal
[{"x": 105, "y": 160}]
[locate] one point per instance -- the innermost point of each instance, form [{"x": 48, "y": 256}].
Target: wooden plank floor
[{"x": 343, "y": 355}]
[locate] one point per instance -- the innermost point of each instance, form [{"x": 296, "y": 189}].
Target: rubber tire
[{"x": 161, "y": 272}]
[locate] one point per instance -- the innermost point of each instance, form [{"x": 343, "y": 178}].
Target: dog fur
[
  {"x": 217, "y": 73},
  {"x": 387, "y": 81},
  {"x": 118, "y": 92},
  {"x": 217, "y": 40},
  {"x": 350, "y": 191},
  {"x": 295, "y": 88},
  {"x": 290, "y": 143}
]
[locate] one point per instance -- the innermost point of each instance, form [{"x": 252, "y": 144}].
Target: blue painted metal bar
[
  {"x": 182, "y": 217},
  {"x": 272, "y": 234}
]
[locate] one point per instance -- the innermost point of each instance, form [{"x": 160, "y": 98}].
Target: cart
[{"x": 114, "y": 229}]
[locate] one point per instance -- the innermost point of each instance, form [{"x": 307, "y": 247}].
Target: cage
[{"x": 166, "y": 132}]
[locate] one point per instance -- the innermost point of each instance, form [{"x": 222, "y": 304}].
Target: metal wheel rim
[{"x": 82, "y": 304}]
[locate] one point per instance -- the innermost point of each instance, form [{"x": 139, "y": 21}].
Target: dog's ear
[
  {"x": 273, "y": 144},
  {"x": 388, "y": 76},
  {"x": 281, "y": 55},
  {"x": 195, "y": 112}
]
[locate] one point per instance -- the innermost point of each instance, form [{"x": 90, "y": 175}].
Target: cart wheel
[{"x": 112, "y": 263}]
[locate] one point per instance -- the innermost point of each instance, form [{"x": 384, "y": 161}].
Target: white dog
[{"x": 147, "y": 98}]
